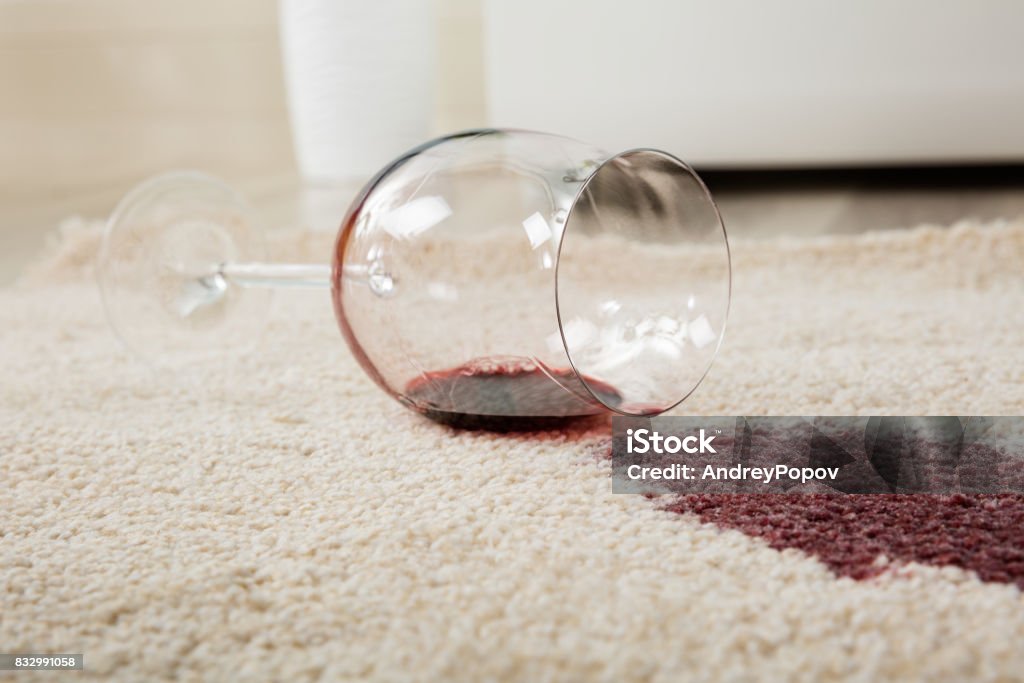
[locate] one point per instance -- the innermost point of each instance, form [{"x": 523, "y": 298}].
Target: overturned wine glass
[{"x": 490, "y": 279}]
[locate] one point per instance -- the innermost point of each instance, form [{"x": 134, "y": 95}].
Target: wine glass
[{"x": 496, "y": 279}]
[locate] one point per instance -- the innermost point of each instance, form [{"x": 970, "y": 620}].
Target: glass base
[{"x": 159, "y": 270}]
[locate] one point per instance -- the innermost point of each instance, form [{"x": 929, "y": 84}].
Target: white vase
[{"x": 360, "y": 78}]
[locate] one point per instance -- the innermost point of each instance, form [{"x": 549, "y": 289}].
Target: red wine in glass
[{"x": 507, "y": 396}]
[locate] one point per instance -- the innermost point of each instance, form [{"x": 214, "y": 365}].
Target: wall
[{"x": 106, "y": 92}]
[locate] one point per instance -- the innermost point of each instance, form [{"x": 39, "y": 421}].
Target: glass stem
[
  {"x": 289, "y": 275},
  {"x": 208, "y": 289},
  {"x": 298, "y": 276}
]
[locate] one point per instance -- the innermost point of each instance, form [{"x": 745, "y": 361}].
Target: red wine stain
[
  {"x": 507, "y": 395},
  {"x": 978, "y": 532},
  {"x": 983, "y": 533}
]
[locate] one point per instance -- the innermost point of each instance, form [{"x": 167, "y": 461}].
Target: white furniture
[{"x": 781, "y": 83}]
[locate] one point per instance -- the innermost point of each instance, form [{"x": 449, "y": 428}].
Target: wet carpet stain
[{"x": 983, "y": 533}]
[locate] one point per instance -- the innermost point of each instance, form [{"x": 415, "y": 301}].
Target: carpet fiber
[{"x": 279, "y": 518}]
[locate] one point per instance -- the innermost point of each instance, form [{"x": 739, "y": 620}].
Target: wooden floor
[
  {"x": 752, "y": 205},
  {"x": 812, "y": 202}
]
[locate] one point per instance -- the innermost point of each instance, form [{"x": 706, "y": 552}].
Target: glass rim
[{"x": 707, "y": 196}]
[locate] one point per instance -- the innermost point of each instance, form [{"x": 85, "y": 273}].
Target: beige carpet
[{"x": 282, "y": 519}]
